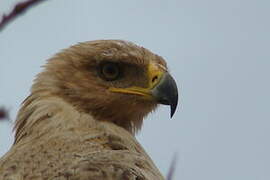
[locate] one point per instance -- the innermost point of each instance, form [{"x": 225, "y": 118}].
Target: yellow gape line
[{"x": 154, "y": 75}]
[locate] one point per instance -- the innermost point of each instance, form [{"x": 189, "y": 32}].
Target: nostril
[{"x": 154, "y": 79}]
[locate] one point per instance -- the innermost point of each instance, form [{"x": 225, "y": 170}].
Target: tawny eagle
[{"x": 80, "y": 120}]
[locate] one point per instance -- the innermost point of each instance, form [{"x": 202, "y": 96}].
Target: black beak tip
[
  {"x": 174, "y": 105},
  {"x": 172, "y": 111}
]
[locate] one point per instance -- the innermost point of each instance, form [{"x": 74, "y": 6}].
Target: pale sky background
[{"x": 218, "y": 52}]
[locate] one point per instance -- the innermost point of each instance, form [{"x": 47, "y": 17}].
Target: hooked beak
[
  {"x": 161, "y": 88},
  {"x": 165, "y": 92}
]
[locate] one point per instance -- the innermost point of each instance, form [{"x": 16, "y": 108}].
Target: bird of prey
[{"x": 80, "y": 120}]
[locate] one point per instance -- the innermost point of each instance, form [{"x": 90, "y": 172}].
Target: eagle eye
[{"x": 110, "y": 71}]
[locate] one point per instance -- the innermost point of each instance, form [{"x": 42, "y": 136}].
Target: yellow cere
[{"x": 155, "y": 72}]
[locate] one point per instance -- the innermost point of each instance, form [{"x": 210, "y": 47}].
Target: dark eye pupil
[{"x": 110, "y": 71}]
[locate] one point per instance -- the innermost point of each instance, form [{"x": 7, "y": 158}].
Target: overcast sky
[{"x": 218, "y": 52}]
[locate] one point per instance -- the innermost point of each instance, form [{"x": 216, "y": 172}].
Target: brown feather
[{"x": 72, "y": 127}]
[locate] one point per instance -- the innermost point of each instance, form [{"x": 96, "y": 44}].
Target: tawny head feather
[{"x": 78, "y": 75}]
